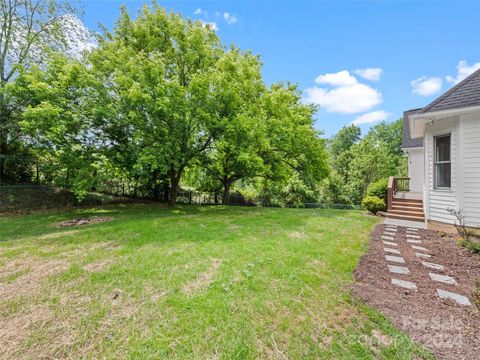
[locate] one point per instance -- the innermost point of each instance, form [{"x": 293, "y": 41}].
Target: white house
[{"x": 442, "y": 143}]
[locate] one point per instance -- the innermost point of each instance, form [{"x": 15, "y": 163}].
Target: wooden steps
[{"x": 407, "y": 209}]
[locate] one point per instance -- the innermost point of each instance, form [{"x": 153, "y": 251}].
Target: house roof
[
  {"x": 408, "y": 142},
  {"x": 464, "y": 94}
]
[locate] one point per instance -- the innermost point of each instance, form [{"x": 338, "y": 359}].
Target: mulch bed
[
  {"x": 84, "y": 221},
  {"x": 449, "y": 330}
]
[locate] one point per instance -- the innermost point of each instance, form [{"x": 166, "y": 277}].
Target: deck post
[{"x": 390, "y": 192}]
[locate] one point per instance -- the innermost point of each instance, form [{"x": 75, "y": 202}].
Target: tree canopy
[{"x": 161, "y": 97}]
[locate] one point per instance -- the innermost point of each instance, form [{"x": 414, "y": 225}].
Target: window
[{"x": 443, "y": 165}]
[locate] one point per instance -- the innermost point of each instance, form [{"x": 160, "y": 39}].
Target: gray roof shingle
[
  {"x": 408, "y": 142},
  {"x": 464, "y": 94}
]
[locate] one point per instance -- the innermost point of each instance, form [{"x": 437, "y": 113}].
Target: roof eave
[{"x": 418, "y": 122}]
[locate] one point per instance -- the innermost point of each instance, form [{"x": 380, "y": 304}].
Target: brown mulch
[
  {"x": 84, "y": 221},
  {"x": 449, "y": 330}
]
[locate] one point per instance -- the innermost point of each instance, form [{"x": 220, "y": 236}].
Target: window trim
[{"x": 435, "y": 162}]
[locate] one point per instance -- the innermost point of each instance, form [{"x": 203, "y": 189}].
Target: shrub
[
  {"x": 379, "y": 189},
  {"x": 471, "y": 245},
  {"x": 373, "y": 204}
]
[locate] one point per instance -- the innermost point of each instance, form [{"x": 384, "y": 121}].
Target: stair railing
[
  {"x": 396, "y": 184},
  {"x": 402, "y": 184}
]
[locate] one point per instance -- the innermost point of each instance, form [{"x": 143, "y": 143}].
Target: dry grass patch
[
  {"x": 15, "y": 330},
  {"x": 98, "y": 266},
  {"x": 30, "y": 282},
  {"x": 203, "y": 280},
  {"x": 56, "y": 235},
  {"x": 297, "y": 235}
]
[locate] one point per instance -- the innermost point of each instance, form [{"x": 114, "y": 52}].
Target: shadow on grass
[{"x": 132, "y": 218}]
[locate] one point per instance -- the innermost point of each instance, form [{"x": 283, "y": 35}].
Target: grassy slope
[{"x": 280, "y": 289}]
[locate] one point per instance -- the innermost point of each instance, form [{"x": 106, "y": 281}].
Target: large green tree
[
  {"x": 339, "y": 149},
  {"x": 377, "y": 155},
  {"x": 158, "y": 105},
  {"x": 28, "y": 30},
  {"x": 239, "y": 141},
  {"x": 58, "y": 121},
  {"x": 294, "y": 143}
]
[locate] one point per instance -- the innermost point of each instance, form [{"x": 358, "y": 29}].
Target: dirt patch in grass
[
  {"x": 84, "y": 221},
  {"x": 203, "y": 280},
  {"x": 449, "y": 330}
]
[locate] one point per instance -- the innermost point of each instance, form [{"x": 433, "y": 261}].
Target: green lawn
[{"x": 194, "y": 282}]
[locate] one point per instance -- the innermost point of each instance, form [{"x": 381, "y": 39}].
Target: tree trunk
[
  {"x": 172, "y": 197},
  {"x": 227, "y": 183},
  {"x": 174, "y": 184}
]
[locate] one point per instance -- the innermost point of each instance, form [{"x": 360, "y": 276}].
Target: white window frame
[{"x": 436, "y": 162}]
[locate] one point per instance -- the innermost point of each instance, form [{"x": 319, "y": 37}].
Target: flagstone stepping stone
[
  {"x": 391, "y": 229},
  {"x": 389, "y": 243},
  {"x": 402, "y": 270},
  {"x": 459, "y": 299},
  {"x": 425, "y": 256},
  {"x": 387, "y": 238},
  {"x": 413, "y": 236},
  {"x": 411, "y": 241},
  {"x": 397, "y": 259},
  {"x": 421, "y": 248},
  {"x": 433, "y": 266},
  {"x": 442, "y": 278},
  {"x": 392, "y": 251},
  {"x": 389, "y": 234},
  {"x": 405, "y": 284}
]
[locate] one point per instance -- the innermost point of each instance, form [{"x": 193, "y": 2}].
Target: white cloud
[
  {"x": 371, "y": 117},
  {"x": 348, "y": 99},
  {"x": 463, "y": 70},
  {"x": 201, "y": 12},
  {"x": 212, "y": 25},
  {"x": 424, "y": 86},
  {"x": 229, "y": 18},
  {"x": 372, "y": 74},
  {"x": 341, "y": 78}
]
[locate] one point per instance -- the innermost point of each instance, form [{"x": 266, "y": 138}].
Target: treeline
[
  {"x": 361, "y": 162},
  {"x": 161, "y": 104}
]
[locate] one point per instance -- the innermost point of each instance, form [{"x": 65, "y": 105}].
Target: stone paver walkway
[{"x": 411, "y": 236}]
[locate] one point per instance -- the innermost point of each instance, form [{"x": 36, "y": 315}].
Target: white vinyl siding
[
  {"x": 415, "y": 169},
  {"x": 469, "y": 128},
  {"x": 439, "y": 200}
]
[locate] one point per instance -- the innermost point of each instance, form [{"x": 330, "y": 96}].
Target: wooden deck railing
[
  {"x": 396, "y": 184},
  {"x": 402, "y": 184}
]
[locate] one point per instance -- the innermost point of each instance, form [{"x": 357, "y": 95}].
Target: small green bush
[
  {"x": 379, "y": 189},
  {"x": 373, "y": 204},
  {"x": 473, "y": 246}
]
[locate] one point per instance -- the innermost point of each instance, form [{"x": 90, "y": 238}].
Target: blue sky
[{"x": 414, "y": 50}]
